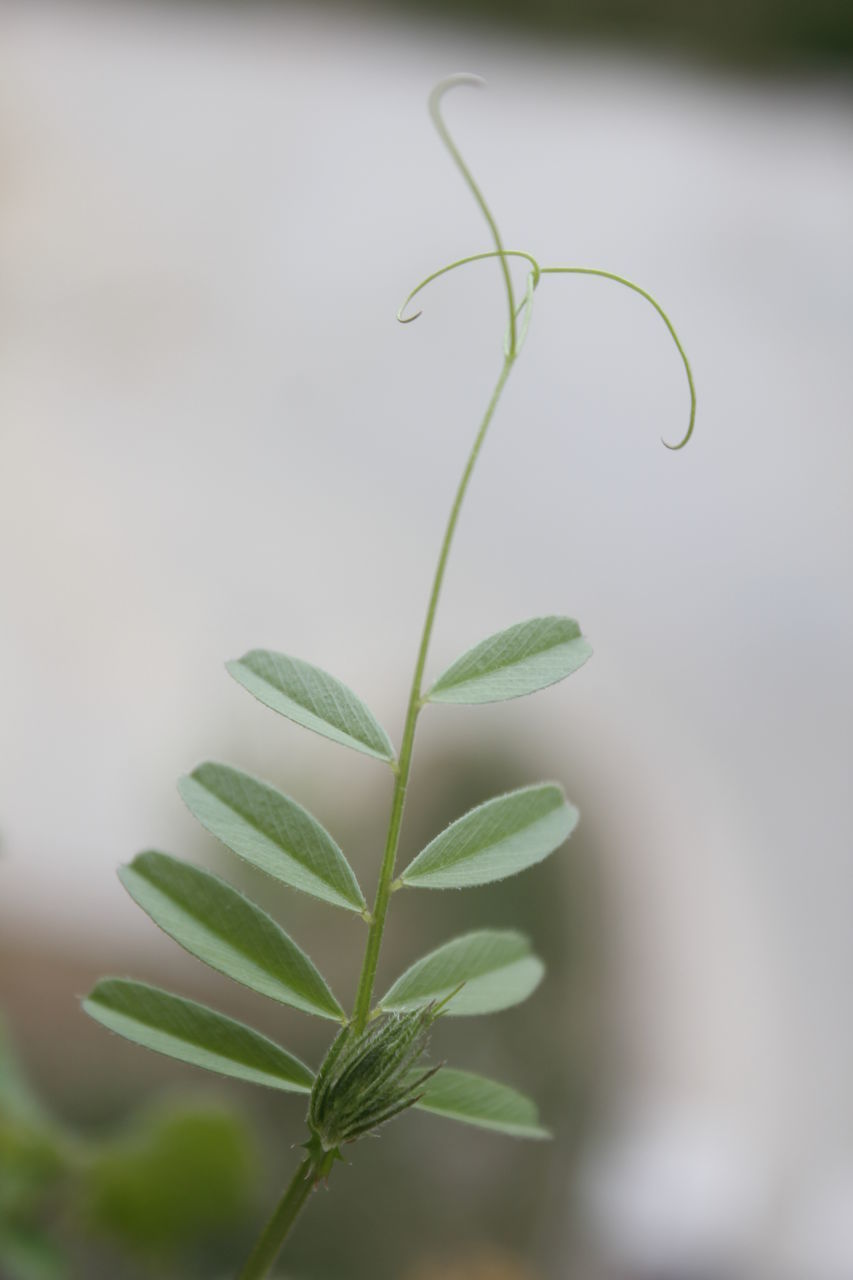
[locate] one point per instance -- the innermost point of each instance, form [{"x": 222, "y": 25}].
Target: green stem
[
  {"x": 386, "y": 875},
  {"x": 310, "y": 1171},
  {"x": 275, "y": 1232}
]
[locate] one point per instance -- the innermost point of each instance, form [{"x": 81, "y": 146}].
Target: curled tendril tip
[{"x": 536, "y": 272}]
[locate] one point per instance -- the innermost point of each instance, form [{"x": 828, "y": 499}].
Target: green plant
[{"x": 375, "y": 1068}]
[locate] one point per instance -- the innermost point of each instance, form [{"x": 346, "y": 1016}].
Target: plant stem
[
  {"x": 310, "y": 1171},
  {"x": 308, "y": 1174},
  {"x": 275, "y": 1232},
  {"x": 386, "y": 875}
]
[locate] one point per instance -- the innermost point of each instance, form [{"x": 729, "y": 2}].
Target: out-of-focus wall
[{"x": 215, "y": 436}]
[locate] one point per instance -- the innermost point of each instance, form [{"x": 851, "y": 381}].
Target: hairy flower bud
[{"x": 369, "y": 1078}]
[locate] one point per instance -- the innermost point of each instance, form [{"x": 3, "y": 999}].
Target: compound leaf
[
  {"x": 224, "y": 929},
  {"x": 272, "y": 832},
  {"x": 193, "y": 1033},
  {"x": 514, "y": 662},
  {"x": 473, "y": 1099},
  {"x": 312, "y": 698},
  {"x": 496, "y": 966},
  {"x": 495, "y": 840}
]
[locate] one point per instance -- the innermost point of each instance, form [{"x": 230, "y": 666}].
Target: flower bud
[{"x": 367, "y": 1079}]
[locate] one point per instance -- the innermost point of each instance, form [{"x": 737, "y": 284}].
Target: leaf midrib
[
  {"x": 472, "y": 677},
  {"x": 335, "y": 688},
  {"x": 483, "y": 847},
  {"x": 263, "y": 969},
  {"x": 245, "y": 1033},
  {"x": 312, "y": 822}
]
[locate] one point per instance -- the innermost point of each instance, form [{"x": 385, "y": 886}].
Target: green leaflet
[
  {"x": 495, "y": 840},
  {"x": 514, "y": 662},
  {"x": 224, "y": 929},
  {"x": 496, "y": 966},
  {"x": 272, "y": 832},
  {"x": 473, "y": 1099},
  {"x": 312, "y": 698},
  {"x": 193, "y": 1033}
]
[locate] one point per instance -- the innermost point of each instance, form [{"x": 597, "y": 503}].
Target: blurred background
[{"x": 216, "y": 437}]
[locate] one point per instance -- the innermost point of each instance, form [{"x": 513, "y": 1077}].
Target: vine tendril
[
  {"x": 434, "y": 103},
  {"x": 525, "y": 309},
  {"x": 519, "y": 315},
  {"x": 534, "y": 278},
  {"x": 629, "y": 284},
  {"x": 536, "y": 272}
]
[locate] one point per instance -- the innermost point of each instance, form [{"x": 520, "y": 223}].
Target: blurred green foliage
[
  {"x": 169, "y": 1191},
  {"x": 177, "y": 1177},
  {"x": 33, "y": 1163}
]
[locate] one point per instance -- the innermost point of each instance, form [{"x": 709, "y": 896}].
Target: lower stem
[{"x": 289, "y": 1207}]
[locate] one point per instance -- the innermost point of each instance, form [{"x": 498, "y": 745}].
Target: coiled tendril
[{"x": 516, "y": 332}]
